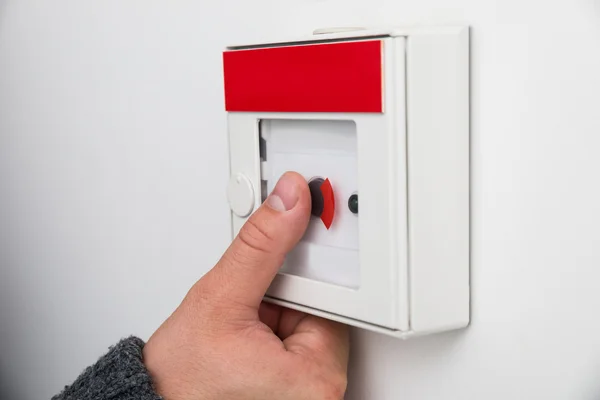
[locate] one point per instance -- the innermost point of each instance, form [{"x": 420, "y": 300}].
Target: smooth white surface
[
  {"x": 325, "y": 31},
  {"x": 438, "y": 180},
  {"x": 110, "y": 114}
]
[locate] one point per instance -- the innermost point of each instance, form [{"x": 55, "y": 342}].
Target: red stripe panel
[{"x": 334, "y": 77}]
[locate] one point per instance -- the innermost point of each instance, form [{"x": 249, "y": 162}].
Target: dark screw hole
[{"x": 353, "y": 203}]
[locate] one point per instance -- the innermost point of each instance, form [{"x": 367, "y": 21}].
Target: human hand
[{"x": 223, "y": 342}]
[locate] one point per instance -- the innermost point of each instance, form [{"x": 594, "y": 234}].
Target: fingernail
[{"x": 285, "y": 195}]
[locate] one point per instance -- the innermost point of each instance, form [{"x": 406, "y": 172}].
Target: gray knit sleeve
[{"x": 118, "y": 375}]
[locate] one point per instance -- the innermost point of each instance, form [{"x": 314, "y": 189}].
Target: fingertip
[
  {"x": 286, "y": 211},
  {"x": 290, "y": 192}
]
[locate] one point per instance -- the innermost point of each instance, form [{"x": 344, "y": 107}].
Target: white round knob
[{"x": 240, "y": 195}]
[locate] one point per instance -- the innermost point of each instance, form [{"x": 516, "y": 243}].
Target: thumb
[{"x": 248, "y": 267}]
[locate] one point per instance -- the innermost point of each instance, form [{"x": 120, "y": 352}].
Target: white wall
[{"x": 113, "y": 165}]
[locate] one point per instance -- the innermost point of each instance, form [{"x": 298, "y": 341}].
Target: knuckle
[{"x": 256, "y": 237}]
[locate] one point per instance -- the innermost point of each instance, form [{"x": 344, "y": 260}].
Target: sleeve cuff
[{"x": 118, "y": 375}]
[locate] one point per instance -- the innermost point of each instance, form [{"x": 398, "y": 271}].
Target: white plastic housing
[{"x": 401, "y": 267}]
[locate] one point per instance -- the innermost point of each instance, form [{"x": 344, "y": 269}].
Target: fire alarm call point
[{"x": 377, "y": 122}]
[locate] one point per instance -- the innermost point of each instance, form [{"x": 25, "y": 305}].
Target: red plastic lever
[{"x": 328, "y": 204}]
